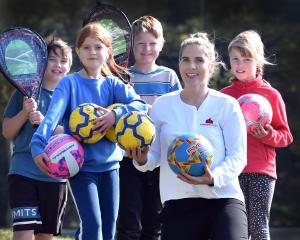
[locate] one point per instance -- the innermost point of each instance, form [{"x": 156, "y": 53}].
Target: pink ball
[
  {"x": 256, "y": 109},
  {"x": 65, "y": 156}
]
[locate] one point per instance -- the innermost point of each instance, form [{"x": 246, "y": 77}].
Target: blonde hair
[
  {"x": 201, "y": 39},
  {"x": 249, "y": 44},
  {"x": 97, "y": 31},
  {"x": 55, "y": 44},
  {"x": 148, "y": 24}
]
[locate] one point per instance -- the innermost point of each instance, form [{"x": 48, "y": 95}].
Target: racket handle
[{"x": 35, "y": 126}]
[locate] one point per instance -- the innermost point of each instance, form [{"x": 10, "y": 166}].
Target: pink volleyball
[
  {"x": 256, "y": 109},
  {"x": 65, "y": 156}
]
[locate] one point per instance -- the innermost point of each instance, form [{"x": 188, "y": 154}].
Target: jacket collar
[{"x": 257, "y": 82}]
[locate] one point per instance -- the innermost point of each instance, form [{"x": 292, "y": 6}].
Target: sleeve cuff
[{"x": 142, "y": 168}]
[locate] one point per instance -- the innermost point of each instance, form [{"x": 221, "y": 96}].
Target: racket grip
[{"x": 35, "y": 126}]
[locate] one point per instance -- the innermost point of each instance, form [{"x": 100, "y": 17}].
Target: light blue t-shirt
[
  {"x": 74, "y": 90},
  {"x": 154, "y": 84},
  {"x": 22, "y": 162}
]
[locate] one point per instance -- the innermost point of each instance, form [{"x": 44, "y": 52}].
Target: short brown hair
[
  {"x": 148, "y": 24},
  {"x": 55, "y": 44}
]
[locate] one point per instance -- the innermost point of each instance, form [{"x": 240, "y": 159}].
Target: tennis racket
[
  {"x": 23, "y": 60},
  {"x": 116, "y": 22}
]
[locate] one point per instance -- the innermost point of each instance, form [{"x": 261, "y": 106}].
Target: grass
[{"x": 6, "y": 234}]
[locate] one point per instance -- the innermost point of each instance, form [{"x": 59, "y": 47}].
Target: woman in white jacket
[{"x": 210, "y": 206}]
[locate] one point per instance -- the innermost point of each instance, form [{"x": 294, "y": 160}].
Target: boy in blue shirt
[
  {"x": 140, "y": 203},
  {"x": 37, "y": 201}
]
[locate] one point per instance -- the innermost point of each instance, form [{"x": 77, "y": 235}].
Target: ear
[
  {"x": 109, "y": 49},
  {"x": 211, "y": 68},
  {"x": 69, "y": 68},
  {"x": 77, "y": 50},
  {"x": 161, "y": 45},
  {"x": 109, "y": 53}
]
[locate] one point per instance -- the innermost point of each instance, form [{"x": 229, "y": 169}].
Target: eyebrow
[{"x": 197, "y": 58}]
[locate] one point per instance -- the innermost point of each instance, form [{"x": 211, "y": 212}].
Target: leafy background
[{"x": 277, "y": 21}]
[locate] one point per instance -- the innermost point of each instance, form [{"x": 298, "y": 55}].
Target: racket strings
[{"x": 23, "y": 59}]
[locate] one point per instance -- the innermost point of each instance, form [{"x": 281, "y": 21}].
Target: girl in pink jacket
[{"x": 246, "y": 53}]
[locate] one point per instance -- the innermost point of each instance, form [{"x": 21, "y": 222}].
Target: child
[
  {"x": 140, "y": 203},
  {"x": 96, "y": 187},
  {"x": 210, "y": 206},
  {"x": 246, "y": 52},
  {"x": 37, "y": 200}
]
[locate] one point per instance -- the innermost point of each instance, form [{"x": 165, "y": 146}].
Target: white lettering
[{"x": 193, "y": 148}]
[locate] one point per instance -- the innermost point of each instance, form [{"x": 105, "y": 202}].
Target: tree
[
  {"x": 277, "y": 22},
  {"x": 5, "y": 151}
]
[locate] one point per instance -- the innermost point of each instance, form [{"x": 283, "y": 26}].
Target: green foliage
[
  {"x": 6, "y": 234},
  {"x": 278, "y": 23}
]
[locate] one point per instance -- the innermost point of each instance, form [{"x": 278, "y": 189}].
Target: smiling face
[
  {"x": 194, "y": 66},
  {"x": 244, "y": 68},
  {"x": 57, "y": 67},
  {"x": 146, "y": 48},
  {"x": 92, "y": 54}
]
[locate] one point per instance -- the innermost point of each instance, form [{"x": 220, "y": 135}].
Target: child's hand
[
  {"x": 138, "y": 154},
  {"x": 36, "y": 117},
  {"x": 40, "y": 162},
  {"x": 29, "y": 105},
  {"x": 206, "y": 178},
  {"x": 260, "y": 132},
  {"x": 105, "y": 122}
]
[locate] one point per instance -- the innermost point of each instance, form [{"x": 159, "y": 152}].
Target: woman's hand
[
  {"x": 206, "y": 178},
  {"x": 138, "y": 154},
  {"x": 40, "y": 162},
  {"x": 106, "y": 121}
]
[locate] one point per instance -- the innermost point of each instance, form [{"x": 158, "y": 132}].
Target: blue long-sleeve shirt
[{"x": 74, "y": 90}]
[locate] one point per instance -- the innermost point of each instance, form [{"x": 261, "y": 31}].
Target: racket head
[
  {"x": 23, "y": 59},
  {"x": 118, "y": 25}
]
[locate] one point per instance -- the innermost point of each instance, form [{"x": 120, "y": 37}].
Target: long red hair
[{"x": 95, "y": 30}]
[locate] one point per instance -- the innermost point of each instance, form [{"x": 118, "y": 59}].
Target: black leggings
[{"x": 202, "y": 219}]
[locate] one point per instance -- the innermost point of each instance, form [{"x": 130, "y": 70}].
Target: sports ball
[
  {"x": 135, "y": 129},
  {"x": 81, "y": 124},
  {"x": 65, "y": 155},
  {"x": 190, "y": 153},
  {"x": 256, "y": 109},
  {"x": 110, "y": 134}
]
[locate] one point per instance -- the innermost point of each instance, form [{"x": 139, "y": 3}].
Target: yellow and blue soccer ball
[
  {"x": 135, "y": 129},
  {"x": 190, "y": 153},
  {"x": 110, "y": 133},
  {"x": 80, "y": 123}
]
